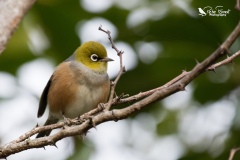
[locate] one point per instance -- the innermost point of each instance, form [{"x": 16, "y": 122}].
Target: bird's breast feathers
[{"x": 76, "y": 90}]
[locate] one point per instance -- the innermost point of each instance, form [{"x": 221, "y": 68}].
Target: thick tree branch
[
  {"x": 142, "y": 95},
  {"x": 11, "y": 14}
]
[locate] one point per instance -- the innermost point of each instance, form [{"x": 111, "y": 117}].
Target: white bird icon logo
[{"x": 201, "y": 12}]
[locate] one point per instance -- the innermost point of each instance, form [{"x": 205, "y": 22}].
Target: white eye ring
[{"x": 94, "y": 57}]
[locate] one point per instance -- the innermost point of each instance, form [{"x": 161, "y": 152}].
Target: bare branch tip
[
  {"x": 197, "y": 61},
  {"x": 124, "y": 69},
  {"x": 100, "y": 27}
]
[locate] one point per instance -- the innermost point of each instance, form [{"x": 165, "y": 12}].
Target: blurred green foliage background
[{"x": 164, "y": 37}]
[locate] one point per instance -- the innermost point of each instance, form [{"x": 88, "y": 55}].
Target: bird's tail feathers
[{"x": 47, "y": 132}]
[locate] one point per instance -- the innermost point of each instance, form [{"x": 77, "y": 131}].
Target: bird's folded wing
[{"x": 43, "y": 99}]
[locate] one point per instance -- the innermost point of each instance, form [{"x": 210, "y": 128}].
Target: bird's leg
[
  {"x": 101, "y": 106},
  {"x": 81, "y": 118},
  {"x": 85, "y": 117},
  {"x": 66, "y": 120}
]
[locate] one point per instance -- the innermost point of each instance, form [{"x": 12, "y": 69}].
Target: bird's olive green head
[{"x": 93, "y": 55}]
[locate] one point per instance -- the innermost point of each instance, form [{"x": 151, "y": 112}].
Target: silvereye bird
[{"x": 77, "y": 85}]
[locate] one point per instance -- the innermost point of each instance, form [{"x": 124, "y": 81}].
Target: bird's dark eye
[{"x": 94, "y": 57}]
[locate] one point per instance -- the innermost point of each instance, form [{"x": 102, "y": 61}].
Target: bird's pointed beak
[{"x": 106, "y": 59}]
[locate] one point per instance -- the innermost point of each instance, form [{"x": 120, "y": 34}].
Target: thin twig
[
  {"x": 225, "y": 61},
  {"x": 147, "y": 93},
  {"x": 122, "y": 68}
]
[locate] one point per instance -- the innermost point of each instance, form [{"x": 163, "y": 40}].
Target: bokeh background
[{"x": 160, "y": 38}]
